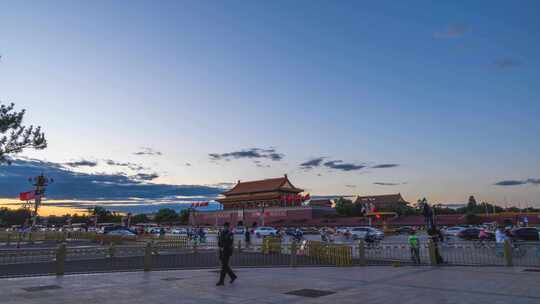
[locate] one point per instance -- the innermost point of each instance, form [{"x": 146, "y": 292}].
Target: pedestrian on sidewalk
[
  {"x": 436, "y": 237},
  {"x": 247, "y": 236},
  {"x": 225, "y": 244},
  {"x": 414, "y": 243}
]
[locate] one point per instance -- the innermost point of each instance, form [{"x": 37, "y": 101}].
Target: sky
[{"x": 426, "y": 98}]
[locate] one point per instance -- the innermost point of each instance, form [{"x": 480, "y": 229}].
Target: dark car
[
  {"x": 525, "y": 234},
  {"x": 474, "y": 234},
  {"x": 293, "y": 231},
  {"x": 404, "y": 230}
]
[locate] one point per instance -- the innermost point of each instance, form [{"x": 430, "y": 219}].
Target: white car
[
  {"x": 363, "y": 232},
  {"x": 121, "y": 232},
  {"x": 453, "y": 231},
  {"x": 343, "y": 230},
  {"x": 179, "y": 231},
  {"x": 239, "y": 230},
  {"x": 265, "y": 231}
]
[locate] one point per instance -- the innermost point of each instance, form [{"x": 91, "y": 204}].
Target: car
[
  {"x": 179, "y": 231},
  {"x": 239, "y": 230},
  {"x": 366, "y": 232},
  {"x": 469, "y": 233},
  {"x": 453, "y": 231},
  {"x": 309, "y": 230},
  {"x": 265, "y": 231},
  {"x": 525, "y": 234},
  {"x": 121, "y": 232},
  {"x": 405, "y": 230},
  {"x": 343, "y": 230}
]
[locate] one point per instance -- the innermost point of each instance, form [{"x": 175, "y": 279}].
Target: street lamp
[{"x": 40, "y": 183}]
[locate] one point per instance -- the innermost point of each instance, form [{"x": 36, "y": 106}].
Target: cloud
[
  {"x": 340, "y": 165},
  {"x": 253, "y": 153},
  {"x": 382, "y": 166},
  {"x": 132, "y": 166},
  {"x": 312, "y": 163},
  {"x": 223, "y": 185},
  {"x": 75, "y": 185},
  {"x": 505, "y": 63},
  {"x": 82, "y": 163},
  {"x": 148, "y": 151},
  {"x": 386, "y": 184},
  {"x": 534, "y": 181},
  {"x": 350, "y": 186},
  {"x": 145, "y": 176},
  {"x": 512, "y": 182},
  {"x": 452, "y": 31}
]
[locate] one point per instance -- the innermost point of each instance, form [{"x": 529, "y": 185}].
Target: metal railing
[{"x": 182, "y": 253}]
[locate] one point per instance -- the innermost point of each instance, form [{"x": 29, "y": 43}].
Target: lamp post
[{"x": 40, "y": 183}]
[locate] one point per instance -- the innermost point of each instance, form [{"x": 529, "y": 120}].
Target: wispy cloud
[
  {"x": 342, "y": 166},
  {"x": 382, "y": 166},
  {"x": 147, "y": 151},
  {"x": 132, "y": 166},
  {"x": 312, "y": 163},
  {"x": 505, "y": 63},
  {"x": 145, "y": 176},
  {"x": 82, "y": 163},
  {"x": 350, "y": 186},
  {"x": 452, "y": 31},
  {"x": 223, "y": 185},
  {"x": 253, "y": 153},
  {"x": 386, "y": 184},
  {"x": 513, "y": 182}
]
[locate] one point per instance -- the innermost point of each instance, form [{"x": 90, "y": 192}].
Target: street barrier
[{"x": 121, "y": 254}]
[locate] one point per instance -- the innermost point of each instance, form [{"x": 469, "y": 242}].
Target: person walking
[
  {"x": 225, "y": 243},
  {"x": 414, "y": 243},
  {"x": 436, "y": 237},
  {"x": 247, "y": 236}
]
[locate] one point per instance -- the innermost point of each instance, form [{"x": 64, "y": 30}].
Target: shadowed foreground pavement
[{"x": 375, "y": 284}]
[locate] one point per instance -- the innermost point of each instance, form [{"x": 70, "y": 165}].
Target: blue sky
[{"x": 447, "y": 91}]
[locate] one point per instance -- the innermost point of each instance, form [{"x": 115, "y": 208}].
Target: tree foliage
[
  {"x": 14, "y": 136},
  {"x": 184, "y": 216},
  {"x": 10, "y": 217},
  {"x": 166, "y": 215},
  {"x": 104, "y": 216},
  {"x": 140, "y": 218}
]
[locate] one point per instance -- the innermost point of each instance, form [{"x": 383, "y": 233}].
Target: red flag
[
  {"x": 27, "y": 196},
  {"x": 289, "y": 198}
]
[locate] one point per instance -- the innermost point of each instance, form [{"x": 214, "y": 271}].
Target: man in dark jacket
[{"x": 225, "y": 243}]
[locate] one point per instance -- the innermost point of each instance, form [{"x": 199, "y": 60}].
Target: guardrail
[{"x": 182, "y": 253}]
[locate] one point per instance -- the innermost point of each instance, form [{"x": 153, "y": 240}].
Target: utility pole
[{"x": 40, "y": 183}]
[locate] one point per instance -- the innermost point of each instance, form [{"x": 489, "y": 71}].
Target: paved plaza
[{"x": 374, "y": 284}]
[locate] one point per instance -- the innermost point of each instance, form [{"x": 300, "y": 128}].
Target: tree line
[
  {"x": 346, "y": 207},
  {"x": 22, "y": 216}
]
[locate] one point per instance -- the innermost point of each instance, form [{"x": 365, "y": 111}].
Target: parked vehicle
[
  {"x": 453, "y": 231},
  {"x": 239, "y": 230},
  {"x": 525, "y": 234},
  {"x": 310, "y": 230},
  {"x": 404, "y": 230},
  {"x": 179, "y": 231},
  {"x": 469, "y": 233},
  {"x": 343, "y": 230},
  {"x": 121, "y": 232},
  {"x": 366, "y": 233},
  {"x": 265, "y": 231}
]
